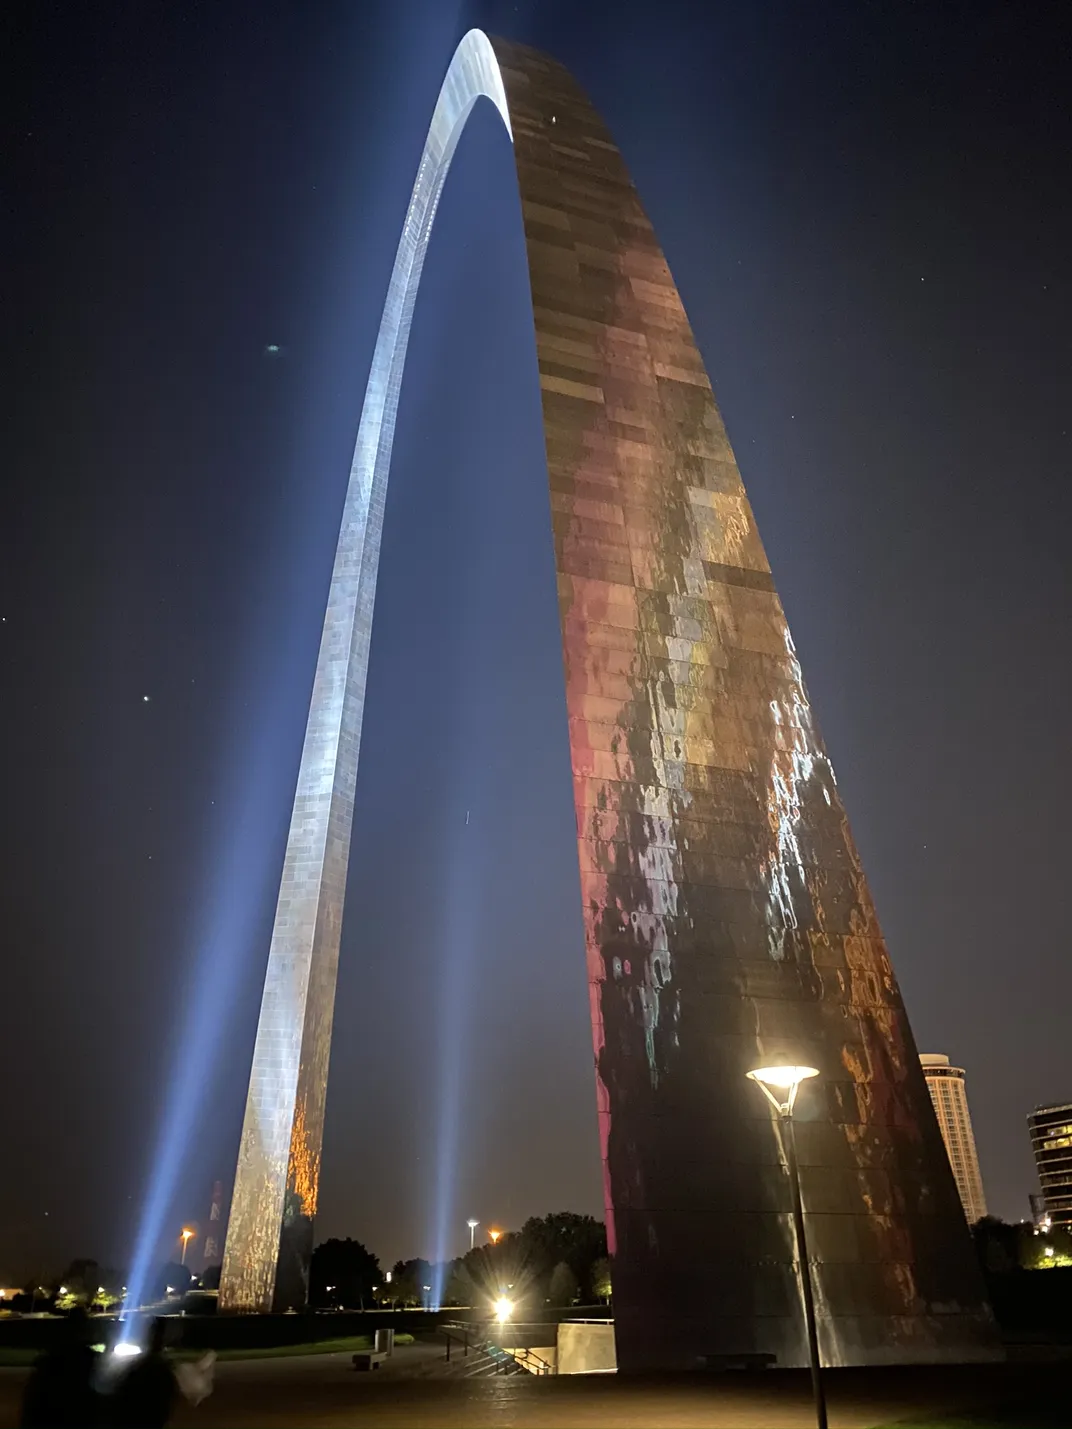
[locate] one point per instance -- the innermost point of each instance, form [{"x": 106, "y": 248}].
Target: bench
[{"x": 368, "y": 1359}]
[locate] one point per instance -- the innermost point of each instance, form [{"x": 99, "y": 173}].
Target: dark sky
[{"x": 866, "y": 207}]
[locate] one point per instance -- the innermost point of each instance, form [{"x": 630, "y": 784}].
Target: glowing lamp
[{"x": 786, "y": 1080}]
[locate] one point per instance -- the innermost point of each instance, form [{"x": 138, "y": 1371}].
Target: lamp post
[
  {"x": 785, "y": 1082},
  {"x": 472, "y": 1231},
  {"x": 186, "y": 1237}
]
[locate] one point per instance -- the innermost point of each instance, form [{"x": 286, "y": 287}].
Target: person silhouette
[
  {"x": 145, "y": 1396},
  {"x": 61, "y": 1392}
]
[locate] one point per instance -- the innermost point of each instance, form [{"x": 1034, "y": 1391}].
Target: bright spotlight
[
  {"x": 126, "y": 1349},
  {"x": 504, "y": 1308}
]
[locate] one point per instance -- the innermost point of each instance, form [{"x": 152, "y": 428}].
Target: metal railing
[{"x": 474, "y": 1338}]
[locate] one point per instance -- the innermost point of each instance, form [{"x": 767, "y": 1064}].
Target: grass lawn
[{"x": 349, "y": 1344}]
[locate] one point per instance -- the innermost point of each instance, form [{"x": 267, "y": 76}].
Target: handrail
[{"x": 462, "y": 1332}]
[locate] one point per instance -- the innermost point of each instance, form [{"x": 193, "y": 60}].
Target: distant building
[
  {"x": 212, "y": 1241},
  {"x": 946, "y": 1085},
  {"x": 1051, "y": 1141}
]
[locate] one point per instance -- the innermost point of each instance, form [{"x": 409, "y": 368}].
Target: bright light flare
[
  {"x": 504, "y": 1308},
  {"x": 784, "y": 1078},
  {"x": 126, "y": 1349}
]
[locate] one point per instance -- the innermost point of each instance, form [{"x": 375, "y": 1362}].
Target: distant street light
[
  {"x": 786, "y": 1082},
  {"x": 186, "y": 1237},
  {"x": 472, "y": 1231},
  {"x": 494, "y": 1236}
]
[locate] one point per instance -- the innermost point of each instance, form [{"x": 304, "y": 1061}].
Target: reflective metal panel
[{"x": 728, "y": 922}]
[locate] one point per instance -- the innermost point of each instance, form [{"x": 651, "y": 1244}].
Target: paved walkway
[{"x": 323, "y": 1392}]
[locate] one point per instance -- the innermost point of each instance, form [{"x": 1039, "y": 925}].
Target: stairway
[{"x": 482, "y": 1360}]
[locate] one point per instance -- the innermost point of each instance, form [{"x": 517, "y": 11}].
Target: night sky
[{"x": 866, "y": 208}]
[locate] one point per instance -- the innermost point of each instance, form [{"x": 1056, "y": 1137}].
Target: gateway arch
[{"x": 727, "y": 919}]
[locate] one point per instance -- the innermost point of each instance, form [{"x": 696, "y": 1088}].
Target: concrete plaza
[{"x": 322, "y": 1391}]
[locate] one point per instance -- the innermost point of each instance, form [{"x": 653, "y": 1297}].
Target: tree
[
  {"x": 343, "y": 1272},
  {"x": 210, "y": 1278},
  {"x": 563, "y": 1288},
  {"x": 1002, "y": 1247},
  {"x": 408, "y": 1279},
  {"x": 86, "y": 1283},
  {"x": 601, "y": 1285},
  {"x": 564, "y": 1236},
  {"x": 171, "y": 1279},
  {"x": 995, "y": 1244},
  {"x": 1044, "y": 1250},
  {"x": 458, "y": 1287}
]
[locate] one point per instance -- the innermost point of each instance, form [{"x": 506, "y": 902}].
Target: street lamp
[
  {"x": 186, "y": 1237},
  {"x": 494, "y": 1236},
  {"x": 780, "y": 1086},
  {"x": 472, "y": 1231}
]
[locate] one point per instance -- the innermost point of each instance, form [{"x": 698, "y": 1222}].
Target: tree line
[{"x": 559, "y": 1259}]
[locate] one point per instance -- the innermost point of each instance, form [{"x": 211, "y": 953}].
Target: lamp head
[{"x": 783, "y": 1080}]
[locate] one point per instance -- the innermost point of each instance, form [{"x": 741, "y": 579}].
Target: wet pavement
[{"x": 323, "y": 1390}]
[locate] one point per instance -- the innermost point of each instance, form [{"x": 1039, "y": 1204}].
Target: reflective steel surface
[{"x": 728, "y": 921}]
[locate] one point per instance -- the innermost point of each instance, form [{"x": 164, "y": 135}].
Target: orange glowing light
[{"x": 494, "y": 1236}]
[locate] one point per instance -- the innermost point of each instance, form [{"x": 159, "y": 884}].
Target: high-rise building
[
  {"x": 1051, "y": 1141},
  {"x": 212, "y": 1240},
  {"x": 950, "y": 1100},
  {"x": 728, "y": 922}
]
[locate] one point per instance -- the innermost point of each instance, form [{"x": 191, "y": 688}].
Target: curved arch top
[{"x": 727, "y": 918}]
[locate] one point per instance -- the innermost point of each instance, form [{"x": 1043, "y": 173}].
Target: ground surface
[{"x": 322, "y": 1392}]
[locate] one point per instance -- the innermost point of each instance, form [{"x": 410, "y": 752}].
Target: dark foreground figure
[
  {"x": 145, "y": 1397},
  {"x": 69, "y": 1387},
  {"x": 61, "y": 1392}
]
